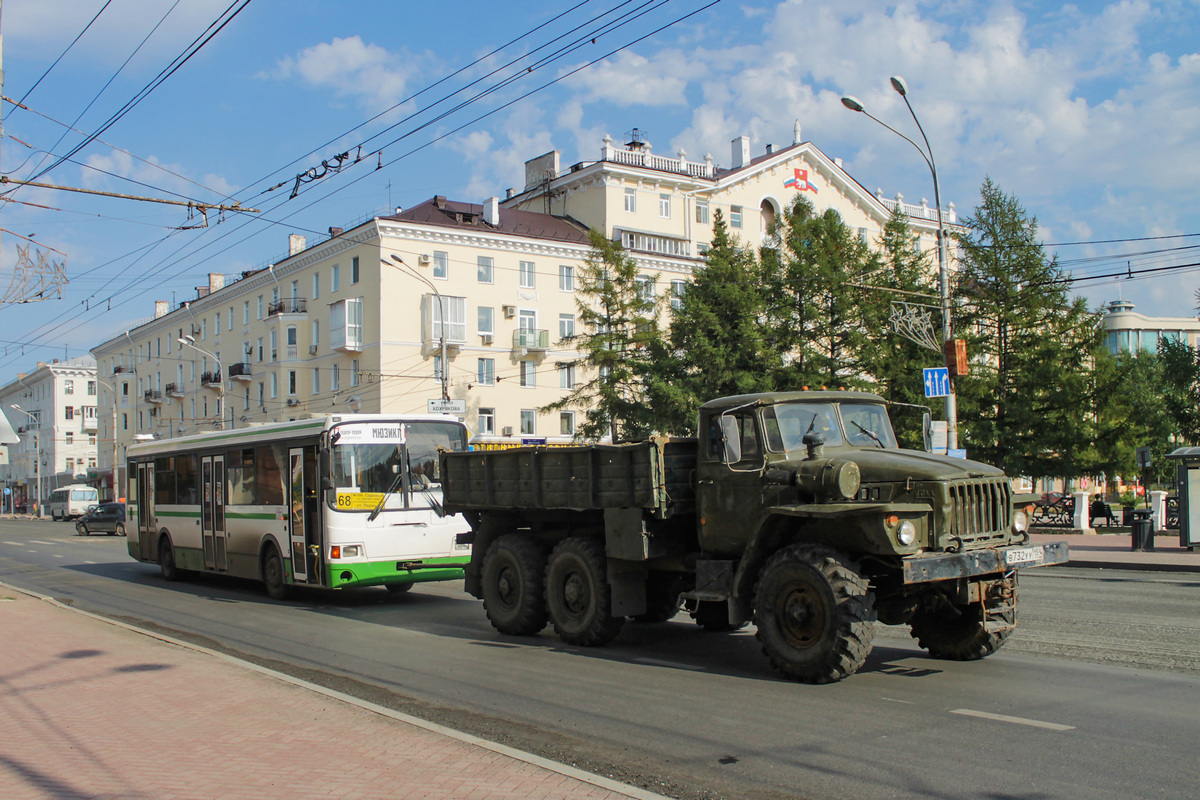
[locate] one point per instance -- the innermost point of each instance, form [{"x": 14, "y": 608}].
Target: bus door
[
  {"x": 305, "y": 515},
  {"x": 147, "y": 536},
  {"x": 212, "y": 512}
]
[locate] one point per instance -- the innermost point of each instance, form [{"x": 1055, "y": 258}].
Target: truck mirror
[{"x": 927, "y": 431}]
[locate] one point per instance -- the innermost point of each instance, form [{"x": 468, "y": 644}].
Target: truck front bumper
[{"x": 990, "y": 561}]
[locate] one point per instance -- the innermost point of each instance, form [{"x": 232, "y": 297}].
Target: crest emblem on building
[{"x": 800, "y": 182}]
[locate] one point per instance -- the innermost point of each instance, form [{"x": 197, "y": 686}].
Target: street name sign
[{"x": 446, "y": 406}]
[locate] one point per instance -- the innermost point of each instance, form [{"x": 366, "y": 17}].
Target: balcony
[
  {"x": 528, "y": 339},
  {"x": 88, "y": 425},
  {"x": 118, "y": 369},
  {"x": 211, "y": 379},
  {"x": 173, "y": 390},
  {"x": 153, "y": 396},
  {"x": 288, "y": 305},
  {"x": 240, "y": 371}
]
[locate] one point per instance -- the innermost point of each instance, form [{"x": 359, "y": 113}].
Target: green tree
[
  {"x": 1181, "y": 381},
  {"x": 617, "y": 337},
  {"x": 1024, "y": 405},
  {"x": 1132, "y": 411},
  {"x": 816, "y": 316},
  {"x": 717, "y": 345}
]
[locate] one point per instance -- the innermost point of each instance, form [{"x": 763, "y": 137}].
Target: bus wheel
[
  {"x": 398, "y": 588},
  {"x": 166, "y": 560},
  {"x": 513, "y": 576},
  {"x": 273, "y": 577},
  {"x": 578, "y": 596}
]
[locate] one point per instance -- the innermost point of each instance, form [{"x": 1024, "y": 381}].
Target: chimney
[
  {"x": 770, "y": 149},
  {"x": 161, "y": 308},
  {"x": 335, "y": 232},
  {"x": 201, "y": 292},
  {"x": 296, "y": 243},
  {"x": 796, "y": 133},
  {"x": 216, "y": 281},
  {"x": 741, "y": 152},
  {"x": 439, "y": 202},
  {"x": 491, "y": 212},
  {"x": 509, "y": 192}
]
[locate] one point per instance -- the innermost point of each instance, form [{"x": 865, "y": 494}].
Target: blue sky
[{"x": 1086, "y": 112}]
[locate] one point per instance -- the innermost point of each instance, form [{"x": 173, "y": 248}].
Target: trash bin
[{"x": 1143, "y": 531}]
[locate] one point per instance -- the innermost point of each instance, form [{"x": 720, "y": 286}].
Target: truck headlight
[
  {"x": 1020, "y": 520},
  {"x": 906, "y": 534}
]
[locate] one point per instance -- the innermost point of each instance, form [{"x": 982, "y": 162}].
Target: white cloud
[{"x": 352, "y": 68}]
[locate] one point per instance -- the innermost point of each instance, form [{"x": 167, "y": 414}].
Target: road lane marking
[
  {"x": 18, "y": 544},
  {"x": 894, "y": 700},
  {"x": 39, "y": 541},
  {"x": 1033, "y": 723},
  {"x": 658, "y": 662}
]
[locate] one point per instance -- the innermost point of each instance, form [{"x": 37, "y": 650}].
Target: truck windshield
[
  {"x": 373, "y": 466},
  {"x": 866, "y": 425}
]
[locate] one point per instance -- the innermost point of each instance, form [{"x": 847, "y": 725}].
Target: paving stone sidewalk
[{"x": 92, "y": 709}]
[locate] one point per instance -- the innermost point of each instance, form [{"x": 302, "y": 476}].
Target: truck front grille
[{"x": 980, "y": 512}]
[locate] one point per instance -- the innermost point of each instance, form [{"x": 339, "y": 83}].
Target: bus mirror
[{"x": 326, "y": 483}]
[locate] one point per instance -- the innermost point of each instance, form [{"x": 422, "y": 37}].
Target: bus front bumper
[{"x": 381, "y": 573}]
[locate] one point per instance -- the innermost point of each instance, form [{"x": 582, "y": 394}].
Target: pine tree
[
  {"x": 1024, "y": 405},
  {"x": 619, "y": 331}
]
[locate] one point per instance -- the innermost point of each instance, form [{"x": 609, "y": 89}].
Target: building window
[
  {"x": 528, "y": 374},
  {"x": 487, "y": 420},
  {"x": 566, "y": 278},
  {"x": 664, "y": 206},
  {"x": 437, "y": 368},
  {"x": 566, "y": 423},
  {"x": 92, "y": 437},
  {"x": 355, "y": 375},
  {"x": 260, "y": 351},
  {"x": 346, "y": 324},
  {"x": 335, "y": 278},
  {"x": 645, "y": 289},
  {"x": 70, "y": 438},
  {"x": 486, "y": 263},
  {"x": 527, "y": 277},
  {"x": 702, "y": 212},
  {"x": 315, "y": 341},
  {"x": 91, "y": 388},
  {"x": 274, "y": 386},
  {"x": 566, "y": 325},
  {"x": 353, "y": 269},
  {"x": 335, "y": 378},
  {"x": 246, "y": 400},
  {"x": 735, "y": 216},
  {"x": 441, "y": 264},
  {"x": 69, "y": 412},
  {"x": 487, "y": 372},
  {"x": 68, "y": 386},
  {"x": 486, "y": 319},
  {"x": 316, "y": 380},
  {"x": 455, "y": 329},
  {"x": 291, "y": 381},
  {"x": 261, "y": 394},
  {"x": 124, "y": 422},
  {"x": 316, "y": 285},
  {"x": 677, "y": 290},
  {"x": 260, "y": 306},
  {"x": 631, "y": 200},
  {"x": 566, "y": 376},
  {"x": 528, "y": 421}
]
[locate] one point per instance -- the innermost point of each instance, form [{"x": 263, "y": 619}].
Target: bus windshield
[{"x": 401, "y": 458}]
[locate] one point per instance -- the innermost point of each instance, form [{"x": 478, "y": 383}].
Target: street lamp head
[
  {"x": 396, "y": 258},
  {"x": 851, "y": 102},
  {"x": 899, "y": 85}
]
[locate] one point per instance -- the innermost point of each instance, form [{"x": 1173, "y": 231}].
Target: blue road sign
[{"x": 937, "y": 382}]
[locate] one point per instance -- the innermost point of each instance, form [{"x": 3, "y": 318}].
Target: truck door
[
  {"x": 730, "y": 481},
  {"x": 212, "y": 512}
]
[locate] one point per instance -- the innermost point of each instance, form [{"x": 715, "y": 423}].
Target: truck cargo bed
[{"x": 655, "y": 474}]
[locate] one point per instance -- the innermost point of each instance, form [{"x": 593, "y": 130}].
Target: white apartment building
[
  {"x": 662, "y": 205},
  {"x": 55, "y": 419},
  {"x": 356, "y": 322}
]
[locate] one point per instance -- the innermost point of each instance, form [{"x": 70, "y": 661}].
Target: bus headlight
[
  {"x": 345, "y": 551},
  {"x": 906, "y": 534}
]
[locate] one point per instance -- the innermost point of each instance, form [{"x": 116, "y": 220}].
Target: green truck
[{"x": 794, "y": 510}]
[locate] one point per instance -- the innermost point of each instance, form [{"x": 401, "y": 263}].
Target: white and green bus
[{"x": 334, "y": 501}]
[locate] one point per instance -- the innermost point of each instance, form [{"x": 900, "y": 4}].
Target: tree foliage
[
  {"x": 617, "y": 340},
  {"x": 1023, "y": 406},
  {"x": 1132, "y": 411}
]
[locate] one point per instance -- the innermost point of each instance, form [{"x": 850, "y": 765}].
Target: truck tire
[
  {"x": 578, "y": 596},
  {"x": 958, "y": 633},
  {"x": 662, "y": 598},
  {"x": 814, "y": 613},
  {"x": 513, "y": 579}
]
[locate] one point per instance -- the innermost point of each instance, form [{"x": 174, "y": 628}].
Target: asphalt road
[{"x": 1095, "y": 696}]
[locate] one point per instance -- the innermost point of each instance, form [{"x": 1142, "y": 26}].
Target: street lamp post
[
  {"x": 901, "y": 88},
  {"x": 399, "y": 262},
  {"x": 190, "y": 341},
  {"x": 37, "y": 450},
  {"x": 118, "y": 484}
]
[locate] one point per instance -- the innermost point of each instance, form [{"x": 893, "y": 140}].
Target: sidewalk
[
  {"x": 94, "y": 709},
  {"x": 1111, "y": 551}
]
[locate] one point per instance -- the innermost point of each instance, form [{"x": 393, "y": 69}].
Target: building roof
[{"x": 451, "y": 214}]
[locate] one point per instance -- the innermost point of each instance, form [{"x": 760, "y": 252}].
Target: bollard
[{"x": 1142, "y": 538}]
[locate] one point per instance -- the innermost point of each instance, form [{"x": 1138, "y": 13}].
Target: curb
[
  {"x": 1128, "y": 566},
  {"x": 598, "y": 781}
]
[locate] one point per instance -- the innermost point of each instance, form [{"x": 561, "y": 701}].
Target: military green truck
[{"x": 795, "y": 510}]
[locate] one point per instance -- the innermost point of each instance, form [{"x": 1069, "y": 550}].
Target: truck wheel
[
  {"x": 959, "y": 633},
  {"x": 578, "y": 596},
  {"x": 814, "y": 613},
  {"x": 513, "y": 580},
  {"x": 713, "y": 616},
  {"x": 662, "y": 598}
]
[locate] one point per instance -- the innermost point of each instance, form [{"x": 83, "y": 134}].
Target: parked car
[{"x": 105, "y": 518}]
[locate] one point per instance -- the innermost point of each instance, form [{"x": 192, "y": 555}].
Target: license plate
[{"x": 1025, "y": 555}]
